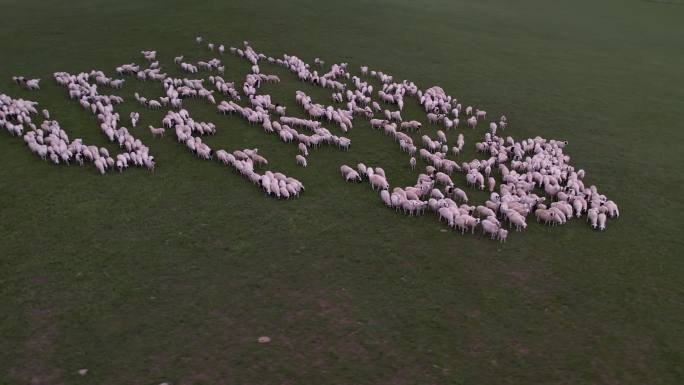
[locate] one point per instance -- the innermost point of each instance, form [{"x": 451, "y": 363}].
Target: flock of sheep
[{"x": 524, "y": 167}]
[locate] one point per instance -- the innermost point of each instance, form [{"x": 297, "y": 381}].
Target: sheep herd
[{"x": 535, "y": 174}]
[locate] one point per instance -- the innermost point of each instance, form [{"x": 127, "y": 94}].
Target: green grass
[{"x": 172, "y": 276}]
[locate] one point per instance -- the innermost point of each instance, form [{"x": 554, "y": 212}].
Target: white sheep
[{"x": 301, "y": 160}]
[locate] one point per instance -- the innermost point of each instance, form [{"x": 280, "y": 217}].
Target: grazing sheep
[
  {"x": 33, "y": 84},
  {"x": 378, "y": 181},
  {"x": 157, "y": 131},
  {"x": 601, "y": 221},
  {"x": 523, "y": 165},
  {"x": 503, "y": 234}
]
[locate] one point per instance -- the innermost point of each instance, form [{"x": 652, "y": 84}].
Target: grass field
[{"x": 172, "y": 276}]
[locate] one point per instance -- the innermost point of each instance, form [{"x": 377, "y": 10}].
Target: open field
[{"x": 144, "y": 278}]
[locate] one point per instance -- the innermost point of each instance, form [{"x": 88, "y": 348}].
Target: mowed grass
[{"x": 172, "y": 276}]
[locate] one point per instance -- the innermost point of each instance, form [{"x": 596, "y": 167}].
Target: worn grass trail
[{"x": 172, "y": 276}]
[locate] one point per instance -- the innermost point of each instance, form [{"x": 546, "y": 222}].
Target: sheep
[
  {"x": 134, "y": 118},
  {"x": 101, "y": 165},
  {"x": 301, "y": 160},
  {"x": 548, "y": 216},
  {"x": 472, "y": 122},
  {"x": 385, "y": 196},
  {"x": 492, "y": 128},
  {"x": 302, "y": 148},
  {"x": 378, "y": 181},
  {"x": 502, "y": 234},
  {"x": 612, "y": 209},
  {"x": 33, "y": 84},
  {"x": 524, "y": 165},
  {"x": 362, "y": 169},
  {"x": 491, "y": 184},
  {"x": 347, "y": 172},
  {"x": 489, "y": 227},
  {"x": 411, "y": 125},
  {"x": 518, "y": 221},
  {"x": 592, "y": 217},
  {"x": 601, "y": 221},
  {"x": 352, "y": 176},
  {"x": 443, "y": 178},
  {"x": 157, "y": 131},
  {"x": 460, "y": 194},
  {"x": 485, "y": 211},
  {"x": 378, "y": 123}
]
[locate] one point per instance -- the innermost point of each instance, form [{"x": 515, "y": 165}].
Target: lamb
[{"x": 503, "y": 234}]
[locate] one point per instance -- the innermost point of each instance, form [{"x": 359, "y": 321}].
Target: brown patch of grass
[
  {"x": 34, "y": 358},
  {"x": 294, "y": 334},
  {"x": 398, "y": 378},
  {"x": 532, "y": 281},
  {"x": 336, "y": 311}
]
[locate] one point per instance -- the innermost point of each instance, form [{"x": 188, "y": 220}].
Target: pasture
[{"x": 172, "y": 276}]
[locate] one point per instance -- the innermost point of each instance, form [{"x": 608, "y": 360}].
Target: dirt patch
[
  {"x": 33, "y": 363},
  {"x": 317, "y": 331},
  {"x": 534, "y": 282},
  {"x": 204, "y": 378},
  {"x": 666, "y": 2},
  {"x": 398, "y": 378},
  {"x": 519, "y": 348},
  {"x": 336, "y": 311}
]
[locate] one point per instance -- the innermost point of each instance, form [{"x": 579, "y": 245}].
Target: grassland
[{"x": 147, "y": 278}]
